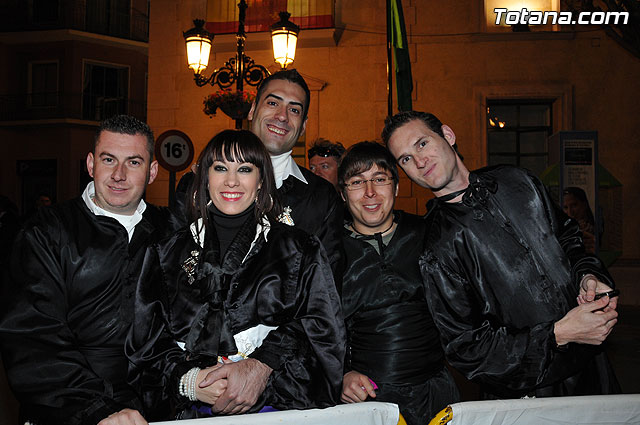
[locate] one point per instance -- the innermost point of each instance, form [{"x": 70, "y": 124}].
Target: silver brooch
[
  {"x": 189, "y": 266},
  {"x": 285, "y": 217}
]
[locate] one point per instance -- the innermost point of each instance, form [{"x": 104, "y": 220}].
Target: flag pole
[{"x": 389, "y": 62}]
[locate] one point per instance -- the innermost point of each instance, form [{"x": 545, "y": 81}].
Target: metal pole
[
  {"x": 172, "y": 189},
  {"x": 241, "y": 36},
  {"x": 389, "y": 62}
]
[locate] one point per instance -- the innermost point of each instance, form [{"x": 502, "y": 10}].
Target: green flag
[{"x": 404, "y": 80}]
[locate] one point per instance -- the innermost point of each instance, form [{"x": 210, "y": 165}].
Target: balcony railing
[
  {"x": 78, "y": 106},
  {"x": 89, "y": 16}
]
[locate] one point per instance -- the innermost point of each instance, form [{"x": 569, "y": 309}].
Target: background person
[
  {"x": 221, "y": 288},
  {"x": 324, "y": 160},
  {"x": 576, "y": 205},
  {"x": 502, "y": 268},
  {"x": 392, "y": 339},
  {"x": 66, "y": 309},
  {"x": 40, "y": 201}
]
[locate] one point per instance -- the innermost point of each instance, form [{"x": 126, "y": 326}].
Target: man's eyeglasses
[
  {"x": 323, "y": 152},
  {"x": 361, "y": 184}
]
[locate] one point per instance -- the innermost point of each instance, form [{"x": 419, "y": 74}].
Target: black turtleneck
[{"x": 227, "y": 226}]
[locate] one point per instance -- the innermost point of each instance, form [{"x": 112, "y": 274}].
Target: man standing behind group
[
  {"x": 67, "y": 306},
  {"x": 279, "y": 117},
  {"x": 392, "y": 340},
  {"x": 324, "y": 160},
  {"x": 502, "y": 268}
]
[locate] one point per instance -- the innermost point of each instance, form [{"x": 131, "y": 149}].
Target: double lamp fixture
[{"x": 241, "y": 68}]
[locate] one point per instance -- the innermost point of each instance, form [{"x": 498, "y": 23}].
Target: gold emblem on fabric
[
  {"x": 285, "y": 217},
  {"x": 189, "y": 266}
]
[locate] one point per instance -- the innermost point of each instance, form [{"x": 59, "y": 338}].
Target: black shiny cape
[
  {"x": 317, "y": 209},
  {"x": 500, "y": 268},
  {"x": 285, "y": 281},
  {"x": 66, "y": 310},
  {"x": 391, "y": 336}
]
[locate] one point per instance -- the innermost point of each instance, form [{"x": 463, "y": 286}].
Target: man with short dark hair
[
  {"x": 502, "y": 268},
  {"x": 393, "y": 350},
  {"x": 324, "y": 160},
  {"x": 279, "y": 117},
  {"x": 67, "y": 306}
]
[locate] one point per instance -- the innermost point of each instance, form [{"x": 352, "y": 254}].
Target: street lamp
[
  {"x": 284, "y": 35},
  {"x": 198, "y": 41},
  {"x": 241, "y": 68}
]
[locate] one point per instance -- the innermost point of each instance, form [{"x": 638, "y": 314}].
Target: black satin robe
[
  {"x": 285, "y": 281},
  {"x": 500, "y": 268},
  {"x": 317, "y": 209},
  {"x": 66, "y": 310},
  {"x": 391, "y": 336}
]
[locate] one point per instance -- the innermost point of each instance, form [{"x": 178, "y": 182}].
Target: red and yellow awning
[{"x": 222, "y": 15}]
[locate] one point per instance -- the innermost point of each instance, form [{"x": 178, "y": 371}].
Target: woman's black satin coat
[
  {"x": 285, "y": 281},
  {"x": 66, "y": 311},
  {"x": 500, "y": 268}
]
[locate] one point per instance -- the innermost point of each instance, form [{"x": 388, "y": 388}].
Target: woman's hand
[
  {"x": 247, "y": 380},
  {"x": 210, "y": 393},
  {"x": 356, "y": 387}
]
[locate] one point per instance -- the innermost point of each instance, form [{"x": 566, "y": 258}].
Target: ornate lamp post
[
  {"x": 241, "y": 68},
  {"x": 284, "y": 35}
]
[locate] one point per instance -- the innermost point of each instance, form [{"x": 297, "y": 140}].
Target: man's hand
[
  {"x": 246, "y": 380},
  {"x": 586, "y": 323},
  {"x": 356, "y": 387},
  {"x": 209, "y": 394},
  {"x": 124, "y": 417},
  {"x": 589, "y": 287}
]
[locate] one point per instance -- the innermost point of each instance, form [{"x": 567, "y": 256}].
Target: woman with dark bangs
[{"x": 238, "y": 311}]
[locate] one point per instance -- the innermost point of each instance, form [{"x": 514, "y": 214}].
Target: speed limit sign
[{"x": 174, "y": 150}]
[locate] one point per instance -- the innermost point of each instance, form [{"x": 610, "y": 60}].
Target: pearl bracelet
[{"x": 187, "y": 385}]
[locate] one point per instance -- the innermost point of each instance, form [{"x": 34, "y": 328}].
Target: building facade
[
  {"x": 66, "y": 65},
  {"x": 466, "y": 70}
]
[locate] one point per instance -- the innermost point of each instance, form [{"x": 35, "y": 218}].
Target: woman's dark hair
[
  {"x": 361, "y": 157},
  {"x": 581, "y": 196},
  {"x": 234, "y": 146}
]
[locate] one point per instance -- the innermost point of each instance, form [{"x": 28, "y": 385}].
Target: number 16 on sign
[{"x": 174, "y": 152}]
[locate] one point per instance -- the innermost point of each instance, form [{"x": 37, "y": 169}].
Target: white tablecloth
[
  {"x": 593, "y": 410},
  {"x": 369, "y": 413}
]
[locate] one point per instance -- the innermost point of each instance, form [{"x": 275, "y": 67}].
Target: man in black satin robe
[
  {"x": 67, "y": 306},
  {"x": 509, "y": 283},
  {"x": 394, "y": 354},
  {"x": 279, "y": 117}
]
